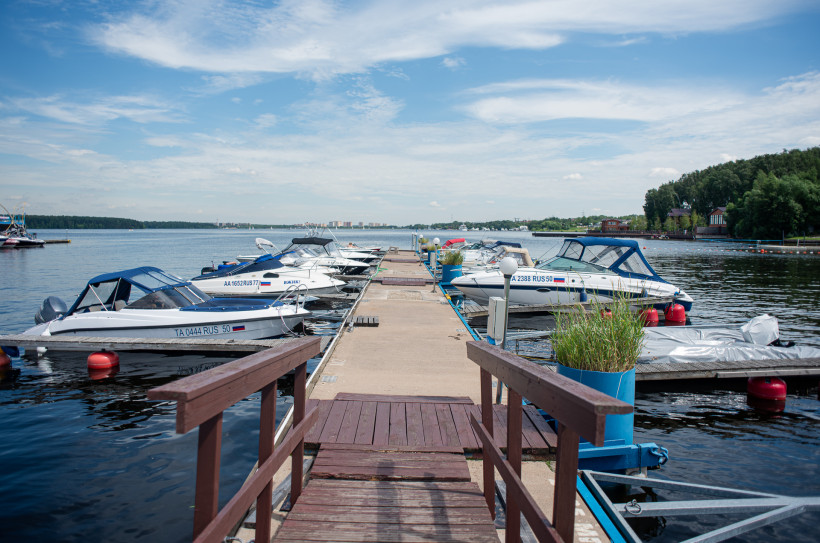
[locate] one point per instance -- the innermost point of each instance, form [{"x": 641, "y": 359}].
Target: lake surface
[{"x": 96, "y": 461}]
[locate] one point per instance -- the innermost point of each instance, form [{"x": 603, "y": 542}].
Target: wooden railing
[
  {"x": 202, "y": 398},
  {"x": 578, "y": 411}
]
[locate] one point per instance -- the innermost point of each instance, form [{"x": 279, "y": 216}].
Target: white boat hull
[
  {"x": 530, "y": 286},
  {"x": 176, "y": 323}
]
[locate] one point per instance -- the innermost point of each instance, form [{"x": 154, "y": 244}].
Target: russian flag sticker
[{"x": 238, "y": 328}]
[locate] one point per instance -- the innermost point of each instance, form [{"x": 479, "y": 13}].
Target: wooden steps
[
  {"x": 434, "y": 502},
  {"x": 419, "y": 421}
]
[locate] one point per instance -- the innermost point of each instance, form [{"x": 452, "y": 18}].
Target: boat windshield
[
  {"x": 559, "y": 263},
  {"x": 170, "y": 298}
]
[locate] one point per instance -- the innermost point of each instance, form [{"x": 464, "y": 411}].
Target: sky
[{"x": 396, "y": 112}]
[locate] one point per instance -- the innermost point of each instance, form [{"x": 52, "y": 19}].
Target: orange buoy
[
  {"x": 674, "y": 315},
  {"x": 606, "y": 313},
  {"x": 103, "y": 360},
  {"x": 649, "y": 317},
  {"x": 5, "y": 360}
]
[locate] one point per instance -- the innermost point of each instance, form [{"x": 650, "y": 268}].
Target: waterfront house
[{"x": 614, "y": 225}]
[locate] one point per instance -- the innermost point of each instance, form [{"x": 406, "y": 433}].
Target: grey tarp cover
[{"x": 709, "y": 343}]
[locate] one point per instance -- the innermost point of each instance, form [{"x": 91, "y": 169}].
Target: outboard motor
[{"x": 53, "y": 307}]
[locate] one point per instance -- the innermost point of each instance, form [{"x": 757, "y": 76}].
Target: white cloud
[
  {"x": 434, "y": 204},
  {"x": 453, "y": 63},
  {"x": 324, "y": 37},
  {"x": 573, "y": 176},
  {"x": 140, "y": 109},
  {"x": 528, "y": 101},
  {"x": 664, "y": 173}
]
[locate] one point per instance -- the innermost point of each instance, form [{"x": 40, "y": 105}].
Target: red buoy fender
[
  {"x": 675, "y": 314},
  {"x": 649, "y": 317},
  {"x": 5, "y": 360},
  {"x": 766, "y": 388},
  {"x": 103, "y": 360}
]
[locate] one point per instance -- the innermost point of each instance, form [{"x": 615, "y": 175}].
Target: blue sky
[{"x": 393, "y": 112}]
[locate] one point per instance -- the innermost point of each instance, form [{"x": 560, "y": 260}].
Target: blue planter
[
  {"x": 619, "y": 385},
  {"x": 450, "y": 272}
]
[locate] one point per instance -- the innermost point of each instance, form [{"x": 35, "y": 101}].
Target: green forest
[
  {"x": 66, "y": 222},
  {"x": 767, "y": 197}
]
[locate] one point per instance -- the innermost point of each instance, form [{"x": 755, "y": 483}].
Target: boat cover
[{"x": 688, "y": 344}]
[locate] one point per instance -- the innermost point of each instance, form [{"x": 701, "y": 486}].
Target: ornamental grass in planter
[
  {"x": 599, "y": 349},
  {"x": 597, "y": 341},
  {"x": 453, "y": 258}
]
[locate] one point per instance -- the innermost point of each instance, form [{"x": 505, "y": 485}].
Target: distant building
[
  {"x": 717, "y": 217},
  {"x": 614, "y": 225}
]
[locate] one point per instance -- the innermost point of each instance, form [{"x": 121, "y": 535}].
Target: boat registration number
[
  {"x": 242, "y": 283},
  {"x": 203, "y": 330},
  {"x": 533, "y": 279}
]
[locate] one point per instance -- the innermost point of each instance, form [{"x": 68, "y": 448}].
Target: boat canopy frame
[{"x": 621, "y": 256}]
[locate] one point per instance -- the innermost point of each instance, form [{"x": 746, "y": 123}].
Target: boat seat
[
  {"x": 97, "y": 307},
  {"x": 119, "y": 304}
]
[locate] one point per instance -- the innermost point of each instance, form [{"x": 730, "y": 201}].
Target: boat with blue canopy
[
  {"x": 585, "y": 269},
  {"x": 147, "y": 302}
]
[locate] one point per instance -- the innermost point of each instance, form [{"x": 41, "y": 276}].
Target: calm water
[{"x": 96, "y": 461}]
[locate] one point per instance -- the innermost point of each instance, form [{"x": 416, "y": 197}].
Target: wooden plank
[
  {"x": 405, "y": 399},
  {"x": 544, "y": 429},
  {"x": 367, "y": 423},
  {"x": 415, "y": 429},
  {"x": 429, "y": 421},
  {"x": 392, "y": 448},
  {"x": 355, "y": 534},
  {"x": 391, "y": 515},
  {"x": 449, "y": 434},
  {"x": 323, "y": 410},
  {"x": 398, "y": 425},
  {"x": 537, "y": 444},
  {"x": 466, "y": 437},
  {"x": 350, "y": 422},
  {"x": 65, "y": 342},
  {"x": 400, "y": 488},
  {"x": 330, "y": 432},
  {"x": 381, "y": 432}
]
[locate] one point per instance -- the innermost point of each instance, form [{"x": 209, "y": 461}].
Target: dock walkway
[
  {"x": 406, "y": 386},
  {"x": 366, "y": 493}
]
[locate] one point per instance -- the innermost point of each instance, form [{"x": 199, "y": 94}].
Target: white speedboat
[
  {"x": 265, "y": 276},
  {"x": 320, "y": 252},
  {"x": 147, "y": 302},
  {"x": 595, "y": 269}
]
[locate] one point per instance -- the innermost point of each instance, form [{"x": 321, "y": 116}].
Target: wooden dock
[
  {"x": 194, "y": 344},
  {"x": 788, "y": 367},
  {"x": 362, "y": 493}
]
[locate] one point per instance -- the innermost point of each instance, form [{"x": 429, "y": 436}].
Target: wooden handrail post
[
  {"x": 566, "y": 474},
  {"x": 267, "y": 437},
  {"x": 297, "y": 459},
  {"x": 487, "y": 421},
  {"x": 514, "y": 421},
  {"x": 206, "y": 500}
]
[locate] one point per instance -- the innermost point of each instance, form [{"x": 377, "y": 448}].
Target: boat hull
[
  {"x": 536, "y": 287},
  {"x": 174, "y": 323}
]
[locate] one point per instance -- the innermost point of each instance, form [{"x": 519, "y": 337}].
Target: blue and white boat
[
  {"x": 265, "y": 276},
  {"x": 147, "y": 302},
  {"x": 593, "y": 269}
]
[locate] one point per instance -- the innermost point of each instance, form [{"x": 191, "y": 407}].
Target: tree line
[
  {"x": 768, "y": 196},
  {"x": 70, "y": 222}
]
